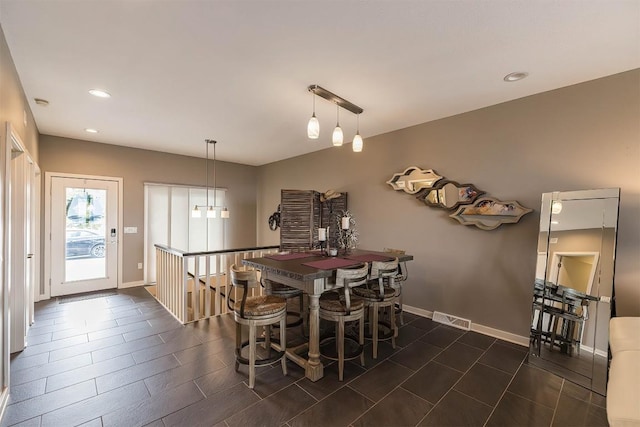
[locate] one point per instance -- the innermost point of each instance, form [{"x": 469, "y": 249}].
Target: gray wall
[
  {"x": 138, "y": 166},
  {"x": 14, "y": 105},
  {"x": 13, "y": 109},
  {"x": 579, "y": 137}
]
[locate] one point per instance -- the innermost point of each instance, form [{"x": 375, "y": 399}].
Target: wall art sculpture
[
  {"x": 413, "y": 180},
  {"x": 486, "y": 213},
  {"x": 449, "y": 194}
]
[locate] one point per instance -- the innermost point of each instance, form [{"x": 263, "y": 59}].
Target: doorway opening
[{"x": 83, "y": 220}]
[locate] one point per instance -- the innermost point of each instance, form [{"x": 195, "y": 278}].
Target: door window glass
[{"x": 85, "y": 242}]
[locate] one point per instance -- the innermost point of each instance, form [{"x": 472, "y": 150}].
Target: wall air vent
[{"x": 455, "y": 321}]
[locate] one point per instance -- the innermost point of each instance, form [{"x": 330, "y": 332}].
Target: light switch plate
[{"x": 130, "y": 230}]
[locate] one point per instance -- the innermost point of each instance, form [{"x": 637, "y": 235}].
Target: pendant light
[
  {"x": 224, "y": 213},
  {"x": 337, "y": 138},
  {"x": 357, "y": 140},
  {"x": 211, "y": 209},
  {"x": 313, "y": 127},
  {"x": 337, "y": 132}
]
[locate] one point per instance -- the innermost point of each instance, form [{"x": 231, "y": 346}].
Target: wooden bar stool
[
  {"x": 254, "y": 312},
  {"x": 401, "y": 277},
  {"x": 339, "y": 306},
  {"x": 287, "y": 292},
  {"x": 379, "y": 293}
]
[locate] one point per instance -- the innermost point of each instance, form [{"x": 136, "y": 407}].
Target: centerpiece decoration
[{"x": 347, "y": 231}]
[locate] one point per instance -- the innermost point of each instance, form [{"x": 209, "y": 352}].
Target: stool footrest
[
  {"x": 259, "y": 362},
  {"x": 353, "y": 354}
]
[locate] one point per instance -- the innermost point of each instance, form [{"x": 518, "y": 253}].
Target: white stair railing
[{"x": 194, "y": 285}]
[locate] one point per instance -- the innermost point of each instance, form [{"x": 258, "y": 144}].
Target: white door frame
[
  {"x": 556, "y": 260},
  {"x": 47, "y": 224}
]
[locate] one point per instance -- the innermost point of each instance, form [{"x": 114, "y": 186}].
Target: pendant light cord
[
  {"x": 207, "y": 174},
  {"x": 214, "y": 176}
]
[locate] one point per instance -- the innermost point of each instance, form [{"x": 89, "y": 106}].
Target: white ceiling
[{"x": 237, "y": 71}]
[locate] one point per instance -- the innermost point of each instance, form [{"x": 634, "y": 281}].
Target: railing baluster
[
  {"x": 195, "y": 294},
  {"x": 173, "y": 278},
  {"x": 207, "y": 287}
]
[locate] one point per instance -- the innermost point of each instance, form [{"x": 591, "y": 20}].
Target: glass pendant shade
[
  {"x": 357, "y": 143},
  {"x": 224, "y": 213},
  {"x": 313, "y": 127},
  {"x": 195, "y": 213},
  {"x": 337, "y": 136},
  {"x": 211, "y": 213}
]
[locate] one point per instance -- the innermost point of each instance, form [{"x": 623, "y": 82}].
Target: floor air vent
[
  {"x": 455, "y": 321},
  {"x": 86, "y": 296}
]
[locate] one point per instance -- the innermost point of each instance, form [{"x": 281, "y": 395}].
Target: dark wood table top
[{"x": 296, "y": 268}]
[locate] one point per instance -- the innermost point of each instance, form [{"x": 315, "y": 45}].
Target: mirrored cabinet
[{"x": 573, "y": 292}]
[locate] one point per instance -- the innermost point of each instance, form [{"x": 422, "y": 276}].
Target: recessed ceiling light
[
  {"x": 91, "y": 130},
  {"x": 514, "y": 77},
  {"x": 42, "y": 102},
  {"x": 100, "y": 93}
]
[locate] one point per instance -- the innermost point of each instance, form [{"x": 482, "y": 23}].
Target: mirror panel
[
  {"x": 449, "y": 194},
  {"x": 488, "y": 213},
  {"x": 413, "y": 180},
  {"x": 574, "y": 284}
]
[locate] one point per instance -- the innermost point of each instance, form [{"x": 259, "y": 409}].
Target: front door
[{"x": 84, "y": 235}]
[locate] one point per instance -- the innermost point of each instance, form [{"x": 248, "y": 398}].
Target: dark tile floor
[{"x": 122, "y": 360}]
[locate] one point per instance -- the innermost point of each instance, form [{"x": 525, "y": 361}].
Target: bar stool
[
  {"x": 256, "y": 311},
  {"x": 287, "y": 292},
  {"x": 380, "y": 293},
  {"x": 339, "y": 306},
  {"x": 402, "y": 276},
  {"x": 568, "y": 320}
]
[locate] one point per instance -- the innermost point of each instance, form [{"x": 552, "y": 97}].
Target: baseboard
[
  {"x": 500, "y": 334},
  {"x": 476, "y": 327},
  {"x": 417, "y": 311},
  {"x": 131, "y": 284},
  {"x": 601, "y": 353}
]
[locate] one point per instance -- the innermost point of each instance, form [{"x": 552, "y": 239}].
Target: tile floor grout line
[
  {"x": 504, "y": 392},
  {"x": 317, "y": 402},
  {"x": 555, "y": 408},
  {"x": 458, "y": 380}
]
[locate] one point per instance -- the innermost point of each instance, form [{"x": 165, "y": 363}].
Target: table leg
[{"x": 314, "y": 369}]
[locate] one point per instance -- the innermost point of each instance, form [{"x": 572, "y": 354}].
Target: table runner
[
  {"x": 332, "y": 263},
  {"x": 370, "y": 257},
  {"x": 286, "y": 257}
]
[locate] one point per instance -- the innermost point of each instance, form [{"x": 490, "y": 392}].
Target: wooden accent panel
[
  {"x": 302, "y": 214},
  {"x": 299, "y": 219}
]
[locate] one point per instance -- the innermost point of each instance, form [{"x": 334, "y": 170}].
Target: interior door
[{"x": 84, "y": 235}]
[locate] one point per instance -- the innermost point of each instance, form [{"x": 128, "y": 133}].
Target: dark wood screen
[{"x": 300, "y": 217}]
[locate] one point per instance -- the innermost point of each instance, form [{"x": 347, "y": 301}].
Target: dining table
[{"x": 313, "y": 272}]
